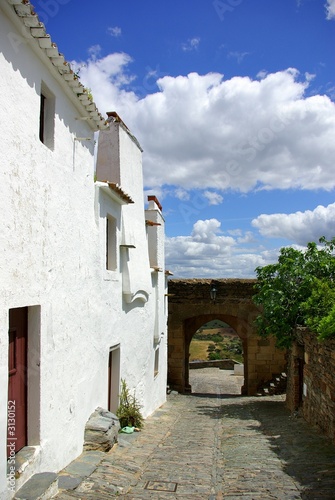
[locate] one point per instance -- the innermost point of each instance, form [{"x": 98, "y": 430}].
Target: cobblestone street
[{"x": 213, "y": 444}]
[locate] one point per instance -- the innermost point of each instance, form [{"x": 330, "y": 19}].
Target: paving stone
[
  {"x": 69, "y": 482},
  {"x": 216, "y": 445},
  {"x": 39, "y": 487},
  {"x": 79, "y": 468}
]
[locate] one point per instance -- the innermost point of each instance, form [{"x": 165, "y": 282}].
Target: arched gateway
[{"x": 191, "y": 306}]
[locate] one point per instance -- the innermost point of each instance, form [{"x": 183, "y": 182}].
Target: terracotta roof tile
[
  {"x": 24, "y": 10},
  {"x": 119, "y": 191}
]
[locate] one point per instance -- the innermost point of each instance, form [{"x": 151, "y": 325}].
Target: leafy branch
[{"x": 299, "y": 290}]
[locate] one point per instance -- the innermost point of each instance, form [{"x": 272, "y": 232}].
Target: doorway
[
  {"x": 113, "y": 378},
  {"x": 17, "y": 376}
]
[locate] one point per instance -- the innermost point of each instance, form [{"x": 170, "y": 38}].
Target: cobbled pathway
[{"x": 213, "y": 444}]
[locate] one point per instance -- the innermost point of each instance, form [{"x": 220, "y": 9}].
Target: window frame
[
  {"x": 111, "y": 263},
  {"x": 47, "y": 117}
]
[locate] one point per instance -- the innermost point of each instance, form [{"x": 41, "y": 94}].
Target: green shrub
[
  {"x": 128, "y": 411},
  {"x": 213, "y": 356}
]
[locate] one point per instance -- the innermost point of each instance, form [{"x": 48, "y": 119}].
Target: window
[
  {"x": 156, "y": 362},
  {"x": 111, "y": 260},
  {"x": 47, "y": 117}
]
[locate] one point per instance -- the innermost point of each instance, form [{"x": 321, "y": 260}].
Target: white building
[{"x": 82, "y": 281}]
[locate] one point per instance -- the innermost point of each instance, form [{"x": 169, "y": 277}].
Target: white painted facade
[{"x": 87, "y": 317}]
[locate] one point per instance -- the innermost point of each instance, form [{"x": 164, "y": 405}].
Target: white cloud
[
  {"x": 114, "y": 31},
  {"x": 299, "y": 227},
  {"x": 208, "y": 230},
  {"x": 106, "y": 77},
  {"x": 262, "y": 74},
  {"x": 204, "y": 132},
  {"x": 209, "y": 253},
  {"x": 94, "y": 51},
  {"x": 181, "y": 194},
  {"x": 330, "y": 8},
  {"x": 239, "y": 56},
  {"x": 247, "y": 238},
  {"x": 191, "y": 44},
  {"x": 213, "y": 198}
]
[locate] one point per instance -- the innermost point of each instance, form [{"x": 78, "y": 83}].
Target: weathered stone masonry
[
  {"x": 190, "y": 307},
  {"x": 311, "y": 381}
]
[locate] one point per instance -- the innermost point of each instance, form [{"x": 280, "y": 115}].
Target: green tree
[
  {"x": 326, "y": 326},
  {"x": 284, "y": 291},
  {"x": 319, "y": 303}
]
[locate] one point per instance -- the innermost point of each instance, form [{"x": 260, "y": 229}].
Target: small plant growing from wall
[{"x": 129, "y": 410}]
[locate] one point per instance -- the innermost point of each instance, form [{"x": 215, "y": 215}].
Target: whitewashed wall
[
  {"x": 52, "y": 242},
  {"x": 136, "y": 321}
]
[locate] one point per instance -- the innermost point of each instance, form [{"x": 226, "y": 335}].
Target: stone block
[
  {"x": 263, "y": 342},
  {"x": 263, "y": 357},
  {"x": 262, "y": 369},
  {"x": 252, "y": 350},
  {"x": 39, "y": 487},
  {"x": 238, "y": 369},
  {"x": 101, "y": 430}
]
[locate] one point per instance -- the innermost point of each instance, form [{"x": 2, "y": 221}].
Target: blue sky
[{"x": 233, "y": 104}]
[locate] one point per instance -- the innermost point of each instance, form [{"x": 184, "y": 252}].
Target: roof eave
[{"x": 33, "y": 31}]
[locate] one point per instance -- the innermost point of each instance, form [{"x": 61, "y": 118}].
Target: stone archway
[
  {"x": 190, "y": 307},
  {"x": 191, "y": 325}
]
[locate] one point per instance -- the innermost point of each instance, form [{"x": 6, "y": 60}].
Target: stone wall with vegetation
[{"x": 311, "y": 381}]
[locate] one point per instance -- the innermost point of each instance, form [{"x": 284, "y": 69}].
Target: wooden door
[{"x": 17, "y": 366}]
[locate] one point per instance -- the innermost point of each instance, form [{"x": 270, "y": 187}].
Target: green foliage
[
  {"x": 89, "y": 93},
  {"x": 215, "y": 337},
  {"x": 128, "y": 411},
  {"x": 319, "y": 303},
  {"x": 326, "y": 326},
  {"x": 211, "y": 347},
  {"x": 213, "y": 356},
  {"x": 234, "y": 345},
  {"x": 291, "y": 291},
  {"x": 227, "y": 348}
]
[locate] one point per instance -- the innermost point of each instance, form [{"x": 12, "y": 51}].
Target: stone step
[
  {"x": 40, "y": 486},
  {"x": 27, "y": 462}
]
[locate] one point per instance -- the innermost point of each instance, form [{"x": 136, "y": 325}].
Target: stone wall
[
  {"x": 311, "y": 381},
  {"x": 190, "y": 307}
]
